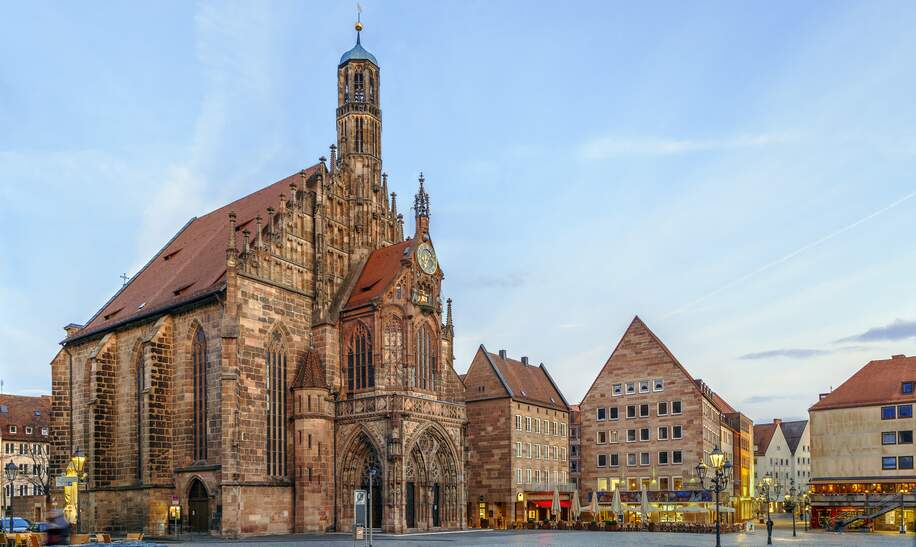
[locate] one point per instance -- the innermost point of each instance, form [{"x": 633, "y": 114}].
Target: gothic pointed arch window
[
  {"x": 275, "y": 375},
  {"x": 360, "y": 367},
  {"x": 199, "y": 361},
  {"x": 139, "y": 382},
  {"x": 426, "y": 358}
]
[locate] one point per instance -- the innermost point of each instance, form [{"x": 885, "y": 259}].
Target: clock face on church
[{"x": 426, "y": 258}]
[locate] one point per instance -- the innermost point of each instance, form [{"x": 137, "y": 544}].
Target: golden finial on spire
[{"x": 359, "y": 10}]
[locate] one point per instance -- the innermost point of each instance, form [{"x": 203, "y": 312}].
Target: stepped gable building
[
  {"x": 862, "y": 449},
  {"x": 646, "y": 423},
  {"x": 518, "y": 441},
  {"x": 271, "y": 355}
]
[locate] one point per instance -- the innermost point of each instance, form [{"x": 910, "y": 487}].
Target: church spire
[
  {"x": 421, "y": 200},
  {"x": 421, "y": 209}
]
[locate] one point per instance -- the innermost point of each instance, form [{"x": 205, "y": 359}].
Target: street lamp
[
  {"x": 790, "y": 504},
  {"x": 373, "y": 471},
  {"x": 12, "y": 471},
  {"x": 77, "y": 464},
  {"x": 806, "y": 510},
  {"x": 721, "y": 470},
  {"x": 770, "y": 489}
]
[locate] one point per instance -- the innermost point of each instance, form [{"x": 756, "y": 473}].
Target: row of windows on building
[
  {"x": 633, "y": 459},
  {"x": 896, "y": 411},
  {"x": 785, "y": 461},
  {"x": 897, "y": 437},
  {"x": 537, "y": 425},
  {"x": 663, "y": 408},
  {"x": 643, "y": 434},
  {"x": 26, "y": 448},
  {"x": 23, "y": 490},
  {"x": 897, "y": 462},
  {"x": 633, "y": 484},
  {"x": 539, "y": 476},
  {"x": 28, "y": 429},
  {"x": 540, "y": 452},
  {"x": 641, "y": 386}
]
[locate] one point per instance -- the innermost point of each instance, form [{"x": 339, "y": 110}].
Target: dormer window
[
  {"x": 907, "y": 388},
  {"x": 12, "y": 429},
  {"x": 28, "y": 430}
]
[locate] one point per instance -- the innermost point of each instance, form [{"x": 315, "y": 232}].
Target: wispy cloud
[
  {"x": 798, "y": 353},
  {"x": 898, "y": 330},
  {"x": 789, "y": 353},
  {"x": 793, "y": 254},
  {"x": 603, "y": 148}
]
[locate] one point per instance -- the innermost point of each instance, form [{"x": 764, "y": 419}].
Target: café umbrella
[
  {"x": 576, "y": 506},
  {"x": 555, "y": 503},
  {"x": 593, "y": 506},
  {"x": 616, "y": 505},
  {"x": 644, "y": 504}
]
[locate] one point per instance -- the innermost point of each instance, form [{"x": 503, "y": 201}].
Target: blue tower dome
[{"x": 358, "y": 53}]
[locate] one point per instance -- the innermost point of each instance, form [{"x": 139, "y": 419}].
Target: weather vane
[{"x": 359, "y": 10}]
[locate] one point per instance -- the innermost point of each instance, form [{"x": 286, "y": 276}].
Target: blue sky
[{"x": 739, "y": 175}]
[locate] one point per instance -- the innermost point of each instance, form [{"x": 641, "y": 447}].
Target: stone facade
[
  {"x": 270, "y": 355},
  {"x": 518, "y": 439},
  {"x": 645, "y": 420},
  {"x": 24, "y": 441}
]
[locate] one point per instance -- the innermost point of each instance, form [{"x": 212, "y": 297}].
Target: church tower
[{"x": 359, "y": 141}]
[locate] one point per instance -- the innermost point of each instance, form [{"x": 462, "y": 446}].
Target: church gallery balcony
[
  {"x": 372, "y": 406},
  {"x": 359, "y": 107}
]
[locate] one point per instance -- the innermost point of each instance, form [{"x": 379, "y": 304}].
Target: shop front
[{"x": 663, "y": 506}]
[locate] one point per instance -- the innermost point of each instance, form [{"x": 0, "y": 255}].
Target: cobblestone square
[{"x": 581, "y": 538}]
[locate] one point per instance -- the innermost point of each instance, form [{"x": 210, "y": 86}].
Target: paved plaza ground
[{"x": 582, "y": 539}]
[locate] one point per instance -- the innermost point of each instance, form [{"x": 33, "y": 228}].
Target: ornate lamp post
[
  {"x": 770, "y": 489},
  {"x": 77, "y": 464},
  {"x": 12, "y": 471},
  {"x": 719, "y": 482}
]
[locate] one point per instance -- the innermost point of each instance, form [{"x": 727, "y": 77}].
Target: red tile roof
[
  {"x": 380, "y": 270},
  {"x": 715, "y": 398},
  {"x": 192, "y": 264},
  {"x": 19, "y": 410},
  {"x": 763, "y": 434},
  {"x": 528, "y": 382},
  {"x": 876, "y": 383}
]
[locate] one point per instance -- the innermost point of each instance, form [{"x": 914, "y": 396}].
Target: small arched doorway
[{"x": 198, "y": 507}]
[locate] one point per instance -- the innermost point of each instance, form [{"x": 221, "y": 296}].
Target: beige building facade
[{"x": 862, "y": 449}]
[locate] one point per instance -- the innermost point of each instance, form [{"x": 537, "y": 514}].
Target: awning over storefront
[{"x": 548, "y": 503}]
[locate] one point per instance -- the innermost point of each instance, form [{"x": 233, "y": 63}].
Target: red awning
[{"x": 547, "y": 504}]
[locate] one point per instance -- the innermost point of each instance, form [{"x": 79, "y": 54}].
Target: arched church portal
[
  {"x": 431, "y": 489},
  {"x": 361, "y": 459}
]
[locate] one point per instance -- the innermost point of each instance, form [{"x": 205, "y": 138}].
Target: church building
[{"x": 277, "y": 354}]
